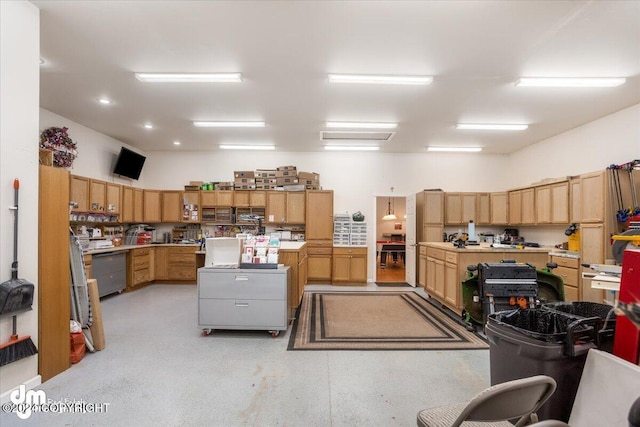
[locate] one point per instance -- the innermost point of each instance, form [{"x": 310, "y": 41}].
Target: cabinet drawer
[
  {"x": 182, "y": 258},
  {"x": 182, "y": 273},
  {"x": 570, "y": 293},
  {"x": 435, "y": 253},
  {"x": 570, "y": 276},
  {"x": 349, "y": 251},
  {"x": 242, "y": 313},
  {"x": 320, "y": 250},
  {"x": 140, "y": 276},
  {"x": 566, "y": 262},
  {"x": 320, "y": 244},
  {"x": 185, "y": 250},
  {"x": 451, "y": 257},
  {"x": 242, "y": 285},
  {"x": 141, "y": 262},
  {"x": 105, "y": 263},
  {"x": 141, "y": 251}
]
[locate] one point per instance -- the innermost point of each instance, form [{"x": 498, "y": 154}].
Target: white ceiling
[{"x": 475, "y": 50}]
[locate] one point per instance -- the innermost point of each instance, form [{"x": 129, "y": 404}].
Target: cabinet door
[
  {"x": 358, "y": 267},
  {"x": 276, "y": 207},
  {"x": 592, "y": 251},
  {"x": 341, "y": 268},
  {"x": 224, "y": 197},
  {"x": 543, "y": 204},
  {"x": 241, "y": 198},
  {"x": 258, "y": 199},
  {"x": 79, "y": 193},
  {"x": 528, "y": 211},
  {"x": 451, "y": 285},
  {"x": 296, "y": 201},
  {"x": 160, "y": 264},
  {"x": 127, "y": 205},
  {"x": 452, "y": 208},
  {"x": 433, "y": 209},
  {"x": 208, "y": 199},
  {"x": 500, "y": 208},
  {"x": 575, "y": 211},
  {"x": 592, "y": 197},
  {"x": 422, "y": 270},
  {"x": 152, "y": 206},
  {"x": 430, "y": 282},
  {"x": 484, "y": 209},
  {"x": 319, "y": 268},
  {"x": 190, "y": 206},
  {"x": 97, "y": 195},
  {"x": 515, "y": 207},
  {"x": 468, "y": 203},
  {"x": 560, "y": 203},
  {"x": 113, "y": 205},
  {"x": 433, "y": 233},
  {"x": 319, "y": 210},
  {"x": 138, "y": 205},
  {"x": 171, "y": 206},
  {"x": 439, "y": 278}
]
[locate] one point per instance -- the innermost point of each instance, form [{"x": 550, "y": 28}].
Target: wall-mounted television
[{"x": 129, "y": 164}]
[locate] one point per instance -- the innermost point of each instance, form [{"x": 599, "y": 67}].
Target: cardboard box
[
  {"x": 309, "y": 176},
  {"x": 281, "y": 174},
  {"x": 314, "y": 182},
  {"x": 272, "y": 181},
  {"x": 196, "y": 183},
  {"x": 244, "y": 181},
  {"x": 265, "y": 173},
  {"x": 286, "y": 181},
  {"x": 243, "y": 174},
  {"x": 265, "y": 186},
  {"x": 293, "y": 187},
  {"x": 224, "y": 186},
  {"x": 191, "y": 188},
  {"x": 244, "y": 187},
  {"x": 312, "y": 187},
  {"x": 286, "y": 168}
]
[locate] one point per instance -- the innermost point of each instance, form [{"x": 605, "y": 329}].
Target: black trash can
[
  {"x": 527, "y": 342},
  {"x": 591, "y": 309}
]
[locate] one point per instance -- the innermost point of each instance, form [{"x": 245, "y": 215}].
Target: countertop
[
  {"x": 482, "y": 247},
  {"x": 129, "y": 247}
]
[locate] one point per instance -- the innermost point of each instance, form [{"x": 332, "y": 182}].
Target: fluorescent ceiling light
[
  {"x": 189, "y": 77},
  {"x": 390, "y": 80},
  {"x": 176, "y": 142},
  {"x": 350, "y": 148},
  {"x": 229, "y": 124},
  {"x": 247, "y": 147},
  {"x": 148, "y": 126},
  {"x": 570, "y": 82},
  {"x": 455, "y": 149},
  {"x": 486, "y": 126},
  {"x": 104, "y": 101},
  {"x": 361, "y": 125}
]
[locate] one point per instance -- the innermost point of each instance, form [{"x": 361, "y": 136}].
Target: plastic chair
[{"x": 517, "y": 399}]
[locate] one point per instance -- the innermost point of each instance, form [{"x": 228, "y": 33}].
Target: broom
[{"x": 18, "y": 347}]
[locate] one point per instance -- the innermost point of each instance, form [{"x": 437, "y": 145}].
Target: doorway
[{"x": 390, "y": 235}]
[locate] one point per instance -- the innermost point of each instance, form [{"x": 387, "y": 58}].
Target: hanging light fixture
[{"x": 390, "y": 212}]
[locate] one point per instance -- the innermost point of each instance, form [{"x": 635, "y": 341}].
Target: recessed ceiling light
[
  {"x": 487, "y": 126},
  {"x": 373, "y": 79},
  {"x": 104, "y": 101},
  {"x": 176, "y": 142},
  {"x": 189, "y": 77},
  {"x": 570, "y": 81},
  {"x": 148, "y": 126},
  {"x": 350, "y": 148},
  {"x": 247, "y": 147},
  {"x": 361, "y": 125},
  {"x": 455, "y": 149},
  {"x": 229, "y": 124}
]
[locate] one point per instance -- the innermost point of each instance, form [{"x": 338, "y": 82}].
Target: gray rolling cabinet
[
  {"x": 252, "y": 299},
  {"x": 110, "y": 270}
]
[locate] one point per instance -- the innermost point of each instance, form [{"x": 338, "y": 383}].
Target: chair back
[{"x": 516, "y": 399}]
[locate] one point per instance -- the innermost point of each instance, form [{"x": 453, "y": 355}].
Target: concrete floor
[{"x": 158, "y": 370}]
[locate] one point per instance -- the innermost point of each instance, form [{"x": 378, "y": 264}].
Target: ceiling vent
[{"x": 355, "y": 136}]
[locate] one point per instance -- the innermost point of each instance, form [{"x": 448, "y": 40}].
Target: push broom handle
[{"x": 14, "y": 264}]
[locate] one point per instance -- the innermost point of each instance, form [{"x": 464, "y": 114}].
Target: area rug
[
  {"x": 394, "y": 284},
  {"x": 376, "y": 321}
]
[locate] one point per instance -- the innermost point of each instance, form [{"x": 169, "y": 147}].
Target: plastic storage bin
[{"x": 524, "y": 343}]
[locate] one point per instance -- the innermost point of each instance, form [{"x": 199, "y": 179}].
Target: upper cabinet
[
  {"x": 460, "y": 208},
  {"x": 552, "y": 203},
  {"x": 286, "y": 207},
  {"x": 97, "y": 196},
  {"x": 592, "y": 197},
  {"x": 430, "y": 216},
  {"x": 79, "y": 193},
  {"x": 127, "y": 204},
  {"x": 319, "y": 210},
  {"x": 114, "y": 198},
  {"x": 171, "y": 206},
  {"x": 152, "y": 206},
  {"x": 499, "y": 208},
  {"x": 190, "y": 204},
  {"x": 138, "y": 205},
  {"x": 522, "y": 208},
  {"x": 515, "y": 207},
  {"x": 483, "y": 213},
  {"x": 215, "y": 198}
]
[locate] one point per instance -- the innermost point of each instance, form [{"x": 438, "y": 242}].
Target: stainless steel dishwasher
[{"x": 110, "y": 270}]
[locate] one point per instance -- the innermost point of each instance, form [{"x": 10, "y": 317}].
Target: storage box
[
  {"x": 291, "y": 174},
  {"x": 224, "y": 186},
  {"x": 244, "y": 186},
  {"x": 312, "y": 187},
  {"x": 295, "y": 187},
  {"x": 265, "y": 186},
  {"x": 243, "y": 174},
  {"x": 191, "y": 187},
  {"x": 286, "y": 168},
  {"x": 244, "y": 181},
  {"x": 222, "y": 252},
  {"x": 309, "y": 175},
  {"x": 196, "y": 183},
  {"x": 272, "y": 181},
  {"x": 286, "y": 181},
  {"x": 265, "y": 173},
  {"x": 309, "y": 182}
]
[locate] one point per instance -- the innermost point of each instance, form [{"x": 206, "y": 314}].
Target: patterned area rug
[{"x": 376, "y": 321}]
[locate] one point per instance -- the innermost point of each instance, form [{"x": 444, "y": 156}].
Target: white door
[{"x": 410, "y": 241}]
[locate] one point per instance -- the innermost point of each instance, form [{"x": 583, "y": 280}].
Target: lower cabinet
[
  {"x": 422, "y": 267},
  {"x": 320, "y": 253},
  {"x": 243, "y": 299},
  {"x": 138, "y": 267},
  {"x": 110, "y": 271},
  {"x": 569, "y": 270},
  {"x": 181, "y": 263},
  {"x": 296, "y": 260},
  {"x": 349, "y": 265}
]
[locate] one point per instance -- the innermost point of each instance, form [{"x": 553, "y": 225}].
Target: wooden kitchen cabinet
[
  {"x": 319, "y": 254},
  {"x": 249, "y": 198},
  {"x": 349, "y": 266},
  {"x": 422, "y": 266},
  {"x": 592, "y": 197},
  {"x": 258, "y": 199},
  {"x": 114, "y": 198},
  {"x": 208, "y": 199},
  {"x": 560, "y": 203},
  {"x": 160, "y": 263},
  {"x": 296, "y": 259},
  {"x": 592, "y": 251},
  {"x": 286, "y": 207},
  {"x": 97, "y": 196},
  {"x": 429, "y": 216},
  {"x": 224, "y": 197},
  {"x": 569, "y": 270},
  {"x": 515, "y": 207},
  {"x": 152, "y": 206},
  {"x": 171, "y": 206},
  {"x": 319, "y": 211},
  {"x": 190, "y": 206},
  {"x": 483, "y": 213},
  {"x": 79, "y": 193},
  {"x": 181, "y": 262},
  {"x": 126, "y": 215},
  {"x": 460, "y": 208},
  {"x": 528, "y": 214},
  {"x": 138, "y": 205},
  {"x": 241, "y": 198},
  {"x": 543, "y": 204},
  {"x": 575, "y": 201},
  {"x": 138, "y": 267},
  {"x": 499, "y": 204}
]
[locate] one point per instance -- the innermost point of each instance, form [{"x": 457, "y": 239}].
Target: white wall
[{"x": 19, "y": 97}]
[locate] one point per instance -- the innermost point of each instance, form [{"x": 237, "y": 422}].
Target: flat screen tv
[{"x": 129, "y": 163}]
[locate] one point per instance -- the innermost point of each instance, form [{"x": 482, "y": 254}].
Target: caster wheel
[
  {"x": 275, "y": 333},
  {"x": 206, "y": 332}
]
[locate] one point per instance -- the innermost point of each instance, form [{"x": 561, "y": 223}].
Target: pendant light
[{"x": 390, "y": 212}]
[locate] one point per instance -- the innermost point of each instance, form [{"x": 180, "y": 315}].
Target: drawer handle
[
  {"x": 242, "y": 304},
  {"x": 238, "y": 277}
]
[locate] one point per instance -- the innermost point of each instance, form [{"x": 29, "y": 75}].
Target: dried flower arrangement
[{"x": 58, "y": 141}]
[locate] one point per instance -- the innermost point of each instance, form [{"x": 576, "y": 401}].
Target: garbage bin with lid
[{"x": 527, "y": 342}]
